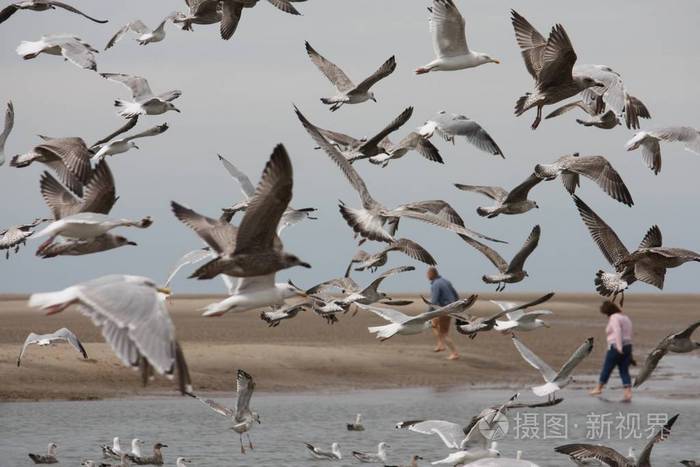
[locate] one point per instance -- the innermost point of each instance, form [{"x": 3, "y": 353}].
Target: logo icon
[{"x": 493, "y": 425}]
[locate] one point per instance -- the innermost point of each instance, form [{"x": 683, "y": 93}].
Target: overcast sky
[{"x": 237, "y": 100}]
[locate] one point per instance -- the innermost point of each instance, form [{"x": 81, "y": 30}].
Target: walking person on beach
[
  {"x": 619, "y": 338},
  {"x": 442, "y": 293}
]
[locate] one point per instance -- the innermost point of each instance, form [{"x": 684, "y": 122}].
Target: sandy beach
[{"x": 306, "y": 354}]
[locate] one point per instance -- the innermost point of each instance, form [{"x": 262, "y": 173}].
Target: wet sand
[{"x": 306, "y": 354}]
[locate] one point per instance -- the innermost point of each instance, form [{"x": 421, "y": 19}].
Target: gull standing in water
[
  {"x": 596, "y": 168},
  {"x": 132, "y": 316},
  {"x": 378, "y": 457},
  {"x": 48, "y": 458},
  {"x": 333, "y": 455},
  {"x": 7, "y": 128},
  {"x": 554, "y": 380},
  {"x": 61, "y": 335},
  {"x": 250, "y": 292},
  {"x": 350, "y": 93},
  {"x": 72, "y": 48},
  {"x": 447, "y": 27},
  {"x": 514, "y": 201},
  {"x": 648, "y": 263},
  {"x": 145, "y": 35},
  {"x": 649, "y": 141},
  {"x": 357, "y": 424},
  {"x": 41, "y": 5},
  {"x": 370, "y": 221},
  {"x": 508, "y": 273},
  {"x": 581, "y": 453},
  {"x": 678, "y": 342},
  {"x": 407, "y": 325},
  {"x": 242, "y": 417},
  {"x": 550, "y": 62},
  {"x": 449, "y": 125},
  {"x": 290, "y": 217},
  {"x": 144, "y": 101}
]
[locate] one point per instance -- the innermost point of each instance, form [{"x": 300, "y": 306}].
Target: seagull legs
[
  {"x": 240, "y": 435},
  {"x": 250, "y": 443},
  {"x": 538, "y": 119}
]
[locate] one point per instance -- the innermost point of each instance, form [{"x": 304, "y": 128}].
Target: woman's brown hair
[{"x": 608, "y": 308}]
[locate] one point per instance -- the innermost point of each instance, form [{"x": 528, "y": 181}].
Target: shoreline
[{"x": 306, "y": 355}]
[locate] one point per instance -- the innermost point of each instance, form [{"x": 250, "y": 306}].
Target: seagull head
[
  {"x": 484, "y": 58},
  {"x": 133, "y": 145},
  {"x": 171, "y": 106},
  {"x": 256, "y": 417},
  {"x": 290, "y": 260}
]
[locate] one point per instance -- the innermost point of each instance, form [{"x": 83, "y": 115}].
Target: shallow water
[{"x": 289, "y": 420}]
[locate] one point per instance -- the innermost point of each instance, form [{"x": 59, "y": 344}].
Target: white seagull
[
  {"x": 450, "y": 40},
  {"x": 61, "y": 335},
  {"x": 144, "y": 35},
  {"x": 7, "y": 128},
  {"x": 378, "y": 457},
  {"x": 144, "y": 101},
  {"x": 407, "y": 325},
  {"x": 333, "y": 455},
  {"x": 72, "y": 48},
  {"x": 554, "y": 380},
  {"x": 650, "y": 140},
  {"x": 449, "y": 125},
  {"x": 121, "y": 145}
]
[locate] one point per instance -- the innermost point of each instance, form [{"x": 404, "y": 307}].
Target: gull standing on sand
[
  {"x": 41, "y": 5},
  {"x": 363, "y": 260},
  {"x": 649, "y": 141},
  {"x": 144, "y": 101},
  {"x": 514, "y": 201},
  {"x": 550, "y": 63},
  {"x": 250, "y": 292},
  {"x": 406, "y": 325},
  {"x": 581, "y": 454},
  {"x": 554, "y": 380},
  {"x": 68, "y": 157},
  {"x": 145, "y": 35},
  {"x": 477, "y": 325},
  {"x": 508, "y": 273},
  {"x": 242, "y": 417},
  {"x": 121, "y": 145},
  {"x": 378, "y": 457},
  {"x": 132, "y": 316},
  {"x": 290, "y": 217},
  {"x": 447, "y": 27},
  {"x": 7, "y": 128},
  {"x": 349, "y": 93},
  {"x": 370, "y": 221},
  {"x": 48, "y": 458},
  {"x": 449, "y": 125},
  {"x": 596, "y": 168},
  {"x": 678, "y": 342},
  {"x": 61, "y": 335},
  {"x": 356, "y": 425},
  {"x": 16, "y": 236},
  {"x": 648, "y": 263},
  {"x": 333, "y": 455},
  {"x": 72, "y": 48}
]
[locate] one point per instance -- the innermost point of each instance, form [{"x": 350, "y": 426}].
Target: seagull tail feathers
[
  {"x": 29, "y": 49},
  {"x": 522, "y": 104},
  {"x": 51, "y": 300},
  {"x": 209, "y": 270}
]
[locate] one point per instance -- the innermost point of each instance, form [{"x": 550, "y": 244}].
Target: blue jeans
[{"x": 620, "y": 360}]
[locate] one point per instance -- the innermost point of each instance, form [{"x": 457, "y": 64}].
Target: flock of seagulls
[{"x": 131, "y": 311}]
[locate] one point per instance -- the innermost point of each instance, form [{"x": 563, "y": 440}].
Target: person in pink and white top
[{"x": 619, "y": 337}]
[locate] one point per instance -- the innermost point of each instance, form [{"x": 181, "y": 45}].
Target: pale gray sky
[{"x": 237, "y": 100}]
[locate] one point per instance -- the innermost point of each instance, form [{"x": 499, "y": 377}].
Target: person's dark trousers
[{"x": 620, "y": 360}]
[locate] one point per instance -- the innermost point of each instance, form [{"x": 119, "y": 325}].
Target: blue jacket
[{"x": 442, "y": 292}]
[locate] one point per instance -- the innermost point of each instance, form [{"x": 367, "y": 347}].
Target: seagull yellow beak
[
  {"x": 164, "y": 290},
  {"x": 497, "y": 62}
]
